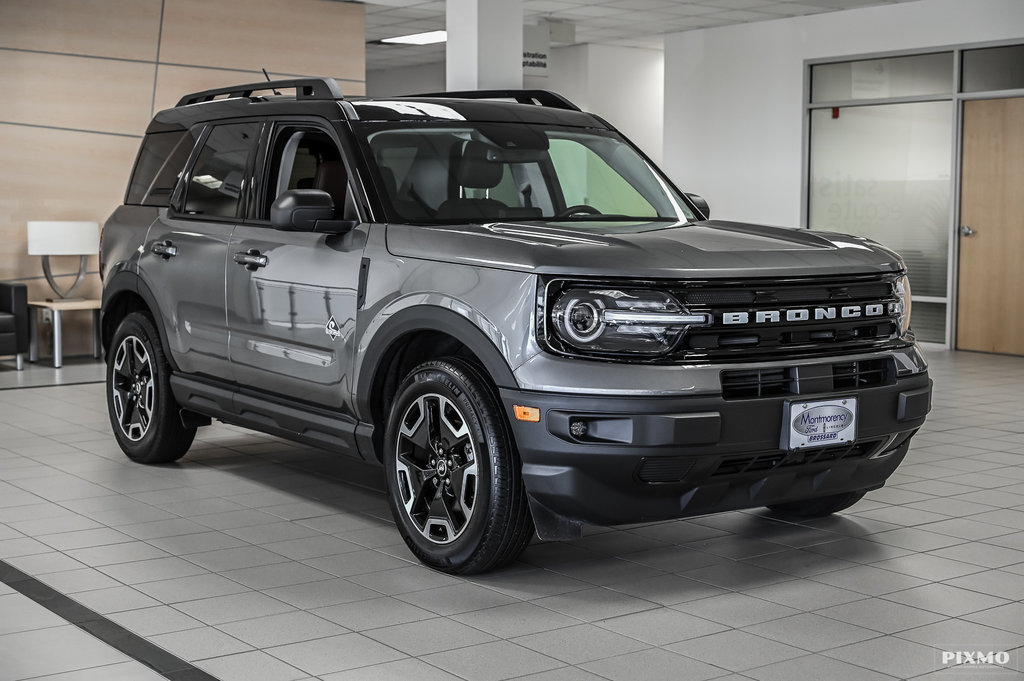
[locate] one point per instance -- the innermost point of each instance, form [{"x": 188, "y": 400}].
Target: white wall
[
  {"x": 734, "y": 95},
  {"x": 621, "y": 84},
  {"x": 408, "y": 80}
]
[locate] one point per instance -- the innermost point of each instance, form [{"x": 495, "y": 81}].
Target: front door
[
  {"x": 292, "y": 295},
  {"x": 989, "y": 315}
]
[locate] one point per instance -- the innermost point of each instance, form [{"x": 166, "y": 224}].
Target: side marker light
[{"x": 530, "y": 414}]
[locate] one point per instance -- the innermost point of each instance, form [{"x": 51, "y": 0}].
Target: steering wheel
[{"x": 578, "y": 209}]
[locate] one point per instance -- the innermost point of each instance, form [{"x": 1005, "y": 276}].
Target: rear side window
[
  {"x": 218, "y": 177},
  {"x": 161, "y": 160}
]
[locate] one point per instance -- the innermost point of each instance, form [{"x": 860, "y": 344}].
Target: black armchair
[{"x": 14, "y": 321}]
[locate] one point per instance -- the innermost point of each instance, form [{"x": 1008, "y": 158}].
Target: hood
[{"x": 657, "y": 250}]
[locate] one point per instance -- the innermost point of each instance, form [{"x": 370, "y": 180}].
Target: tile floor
[{"x": 256, "y": 559}]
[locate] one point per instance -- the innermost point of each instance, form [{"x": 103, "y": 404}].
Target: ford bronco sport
[{"x": 501, "y": 300}]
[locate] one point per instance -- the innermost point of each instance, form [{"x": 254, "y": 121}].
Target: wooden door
[{"x": 990, "y": 315}]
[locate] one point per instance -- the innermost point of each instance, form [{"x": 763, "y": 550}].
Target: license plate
[{"x": 819, "y": 423}]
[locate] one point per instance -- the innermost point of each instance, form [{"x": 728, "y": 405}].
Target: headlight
[
  {"x": 901, "y": 311},
  {"x": 619, "y": 321}
]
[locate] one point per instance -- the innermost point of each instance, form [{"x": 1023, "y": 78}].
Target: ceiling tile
[
  {"x": 741, "y": 16},
  {"x": 625, "y": 22},
  {"x": 733, "y": 4}
]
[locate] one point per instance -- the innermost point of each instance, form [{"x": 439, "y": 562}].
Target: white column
[{"x": 485, "y": 44}]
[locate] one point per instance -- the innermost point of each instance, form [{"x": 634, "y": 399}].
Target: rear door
[
  {"x": 186, "y": 248},
  {"x": 291, "y": 315}
]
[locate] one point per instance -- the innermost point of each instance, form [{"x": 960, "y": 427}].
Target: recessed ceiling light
[{"x": 428, "y": 38}]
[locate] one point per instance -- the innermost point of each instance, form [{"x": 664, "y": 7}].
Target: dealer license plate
[{"x": 819, "y": 423}]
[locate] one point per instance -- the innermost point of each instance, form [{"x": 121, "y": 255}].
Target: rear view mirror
[
  {"x": 701, "y": 205},
  {"x": 307, "y": 210},
  {"x": 496, "y": 155}
]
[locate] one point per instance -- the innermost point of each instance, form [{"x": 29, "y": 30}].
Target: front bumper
[{"x": 656, "y": 458}]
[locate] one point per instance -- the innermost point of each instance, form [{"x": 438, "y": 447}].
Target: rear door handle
[
  {"x": 252, "y": 259},
  {"x": 165, "y": 249}
]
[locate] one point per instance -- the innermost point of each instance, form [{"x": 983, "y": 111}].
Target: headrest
[
  {"x": 474, "y": 171},
  {"x": 332, "y": 178}
]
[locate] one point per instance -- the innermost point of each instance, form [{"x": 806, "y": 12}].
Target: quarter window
[{"x": 161, "y": 159}]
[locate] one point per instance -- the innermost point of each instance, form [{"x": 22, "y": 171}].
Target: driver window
[{"x": 308, "y": 158}]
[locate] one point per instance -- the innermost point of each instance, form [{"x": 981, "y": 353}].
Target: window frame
[{"x": 262, "y": 182}]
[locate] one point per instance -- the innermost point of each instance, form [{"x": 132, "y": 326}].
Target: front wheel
[
  {"x": 453, "y": 474},
  {"x": 143, "y": 413},
  {"x": 821, "y": 506}
]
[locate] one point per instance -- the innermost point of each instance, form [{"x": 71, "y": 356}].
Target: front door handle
[
  {"x": 252, "y": 259},
  {"x": 165, "y": 249},
  {"x": 966, "y": 231}
]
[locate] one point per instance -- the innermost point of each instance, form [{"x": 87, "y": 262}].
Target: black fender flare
[{"x": 428, "y": 318}]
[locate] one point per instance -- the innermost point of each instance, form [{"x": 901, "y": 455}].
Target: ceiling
[{"x": 633, "y": 23}]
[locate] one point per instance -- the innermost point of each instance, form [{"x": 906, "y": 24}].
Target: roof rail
[
  {"x": 538, "y": 97},
  {"x": 305, "y": 88}
]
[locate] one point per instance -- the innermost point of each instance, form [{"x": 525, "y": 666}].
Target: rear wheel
[
  {"x": 453, "y": 474},
  {"x": 143, "y": 413},
  {"x": 821, "y": 506}
]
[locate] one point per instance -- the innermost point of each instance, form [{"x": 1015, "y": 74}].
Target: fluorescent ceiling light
[{"x": 428, "y": 38}]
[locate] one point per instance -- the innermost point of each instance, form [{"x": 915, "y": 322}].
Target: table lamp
[{"x": 63, "y": 237}]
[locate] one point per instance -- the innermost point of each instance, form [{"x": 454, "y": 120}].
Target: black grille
[
  {"x": 664, "y": 468},
  {"x": 788, "y": 319},
  {"x": 807, "y": 380},
  {"x": 767, "y": 461}
]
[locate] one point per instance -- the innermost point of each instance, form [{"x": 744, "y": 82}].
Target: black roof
[{"x": 322, "y": 96}]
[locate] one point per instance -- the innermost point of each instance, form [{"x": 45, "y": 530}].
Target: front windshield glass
[{"x": 487, "y": 172}]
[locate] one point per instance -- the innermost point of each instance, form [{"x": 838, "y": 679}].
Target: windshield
[{"x": 486, "y": 172}]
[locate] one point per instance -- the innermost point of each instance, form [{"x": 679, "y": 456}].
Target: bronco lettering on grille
[{"x": 803, "y": 314}]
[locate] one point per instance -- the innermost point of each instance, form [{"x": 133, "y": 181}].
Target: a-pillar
[{"x": 485, "y": 44}]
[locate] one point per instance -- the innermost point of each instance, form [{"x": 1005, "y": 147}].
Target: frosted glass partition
[
  {"x": 918, "y": 75},
  {"x": 929, "y": 321},
  {"x": 884, "y": 172}
]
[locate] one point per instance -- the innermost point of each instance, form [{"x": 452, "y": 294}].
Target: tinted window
[
  {"x": 994, "y": 68},
  {"x": 160, "y": 163},
  {"x": 218, "y": 178}
]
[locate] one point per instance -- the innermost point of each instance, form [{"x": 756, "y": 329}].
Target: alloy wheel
[
  {"x": 134, "y": 393},
  {"x": 436, "y": 467}
]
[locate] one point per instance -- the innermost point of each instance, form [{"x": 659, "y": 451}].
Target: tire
[
  {"x": 143, "y": 413},
  {"x": 818, "y": 507},
  {"x": 453, "y": 474}
]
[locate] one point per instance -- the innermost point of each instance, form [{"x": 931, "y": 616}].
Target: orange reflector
[{"x": 531, "y": 414}]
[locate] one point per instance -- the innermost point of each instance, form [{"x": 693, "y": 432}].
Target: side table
[{"x": 57, "y": 307}]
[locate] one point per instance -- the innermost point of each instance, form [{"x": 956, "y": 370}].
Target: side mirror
[
  {"x": 307, "y": 210},
  {"x": 701, "y": 205}
]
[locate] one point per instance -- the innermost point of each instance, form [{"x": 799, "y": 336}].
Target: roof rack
[
  {"x": 305, "y": 88},
  {"x": 537, "y": 97}
]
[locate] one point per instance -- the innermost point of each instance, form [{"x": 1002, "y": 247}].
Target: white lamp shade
[{"x": 63, "y": 237}]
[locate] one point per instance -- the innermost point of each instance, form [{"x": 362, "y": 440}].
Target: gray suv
[{"x": 501, "y": 300}]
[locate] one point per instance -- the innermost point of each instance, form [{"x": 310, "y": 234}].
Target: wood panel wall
[{"x": 80, "y": 80}]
